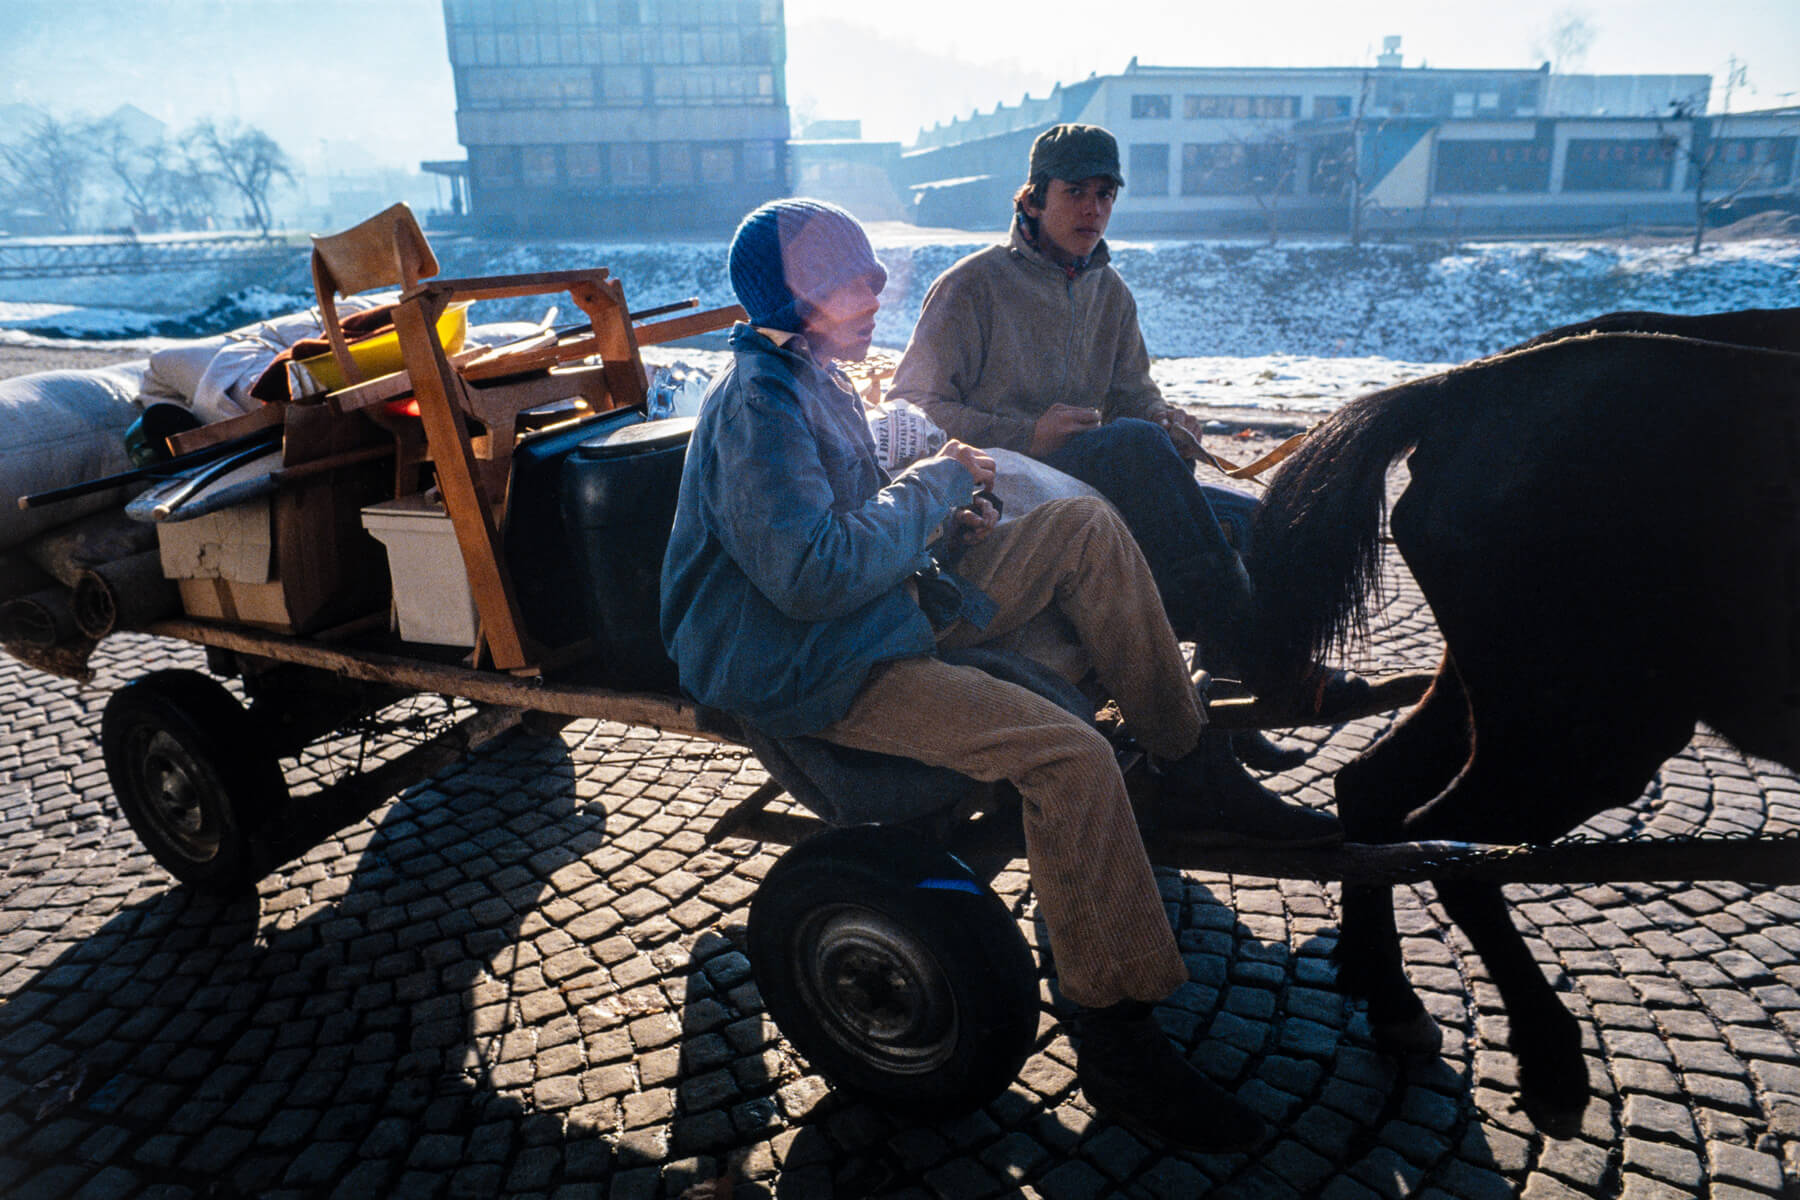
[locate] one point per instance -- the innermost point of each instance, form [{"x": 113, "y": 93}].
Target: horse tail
[{"x": 1317, "y": 535}]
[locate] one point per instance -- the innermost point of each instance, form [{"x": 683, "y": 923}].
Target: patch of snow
[{"x": 1302, "y": 325}]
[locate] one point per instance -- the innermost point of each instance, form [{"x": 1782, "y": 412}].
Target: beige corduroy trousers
[{"x": 1108, "y": 932}]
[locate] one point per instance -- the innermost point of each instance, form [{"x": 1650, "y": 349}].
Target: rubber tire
[
  {"x": 876, "y": 905},
  {"x": 187, "y": 769}
]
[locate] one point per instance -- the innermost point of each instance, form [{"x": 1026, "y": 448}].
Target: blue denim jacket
[{"x": 783, "y": 581}]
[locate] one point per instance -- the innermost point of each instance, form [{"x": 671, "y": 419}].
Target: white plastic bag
[{"x": 903, "y": 433}]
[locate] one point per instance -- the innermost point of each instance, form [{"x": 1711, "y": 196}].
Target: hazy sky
[
  {"x": 1002, "y": 50},
  {"x": 375, "y": 71}
]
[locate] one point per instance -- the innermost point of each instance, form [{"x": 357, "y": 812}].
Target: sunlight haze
[{"x": 311, "y": 71}]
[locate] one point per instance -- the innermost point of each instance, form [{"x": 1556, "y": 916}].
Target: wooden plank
[
  {"x": 395, "y": 385},
  {"x": 254, "y": 421},
  {"x": 658, "y": 332},
  {"x": 1744, "y": 860},
  {"x": 501, "y": 287},
  {"x": 378, "y": 390},
  {"x": 673, "y": 714},
  {"x": 536, "y": 353}
]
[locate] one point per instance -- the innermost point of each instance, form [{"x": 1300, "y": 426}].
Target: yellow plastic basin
[{"x": 379, "y": 353}]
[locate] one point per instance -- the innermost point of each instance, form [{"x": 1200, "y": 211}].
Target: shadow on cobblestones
[
  {"x": 526, "y": 978},
  {"x": 397, "y": 1010}
]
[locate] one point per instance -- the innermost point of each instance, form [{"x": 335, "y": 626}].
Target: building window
[
  {"x": 623, "y": 84},
  {"x": 1150, "y": 108},
  {"x": 1237, "y": 169},
  {"x": 631, "y": 164},
  {"x": 1478, "y": 167},
  {"x": 583, "y": 163},
  {"x": 1746, "y": 163},
  {"x": 759, "y": 161},
  {"x": 717, "y": 164},
  {"x": 674, "y": 163},
  {"x": 1330, "y": 108},
  {"x": 538, "y": 165},
  {"x": 1149, "y": 169},
  {"x": 1331, "y": 163},
  {"x": 1619, "y": 165},
  {"x": 494, "y": 166},
  {"x": 1241, "y": 108}
]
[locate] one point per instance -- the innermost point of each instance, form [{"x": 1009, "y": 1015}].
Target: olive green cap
[{"x": 1076, "y": 152}]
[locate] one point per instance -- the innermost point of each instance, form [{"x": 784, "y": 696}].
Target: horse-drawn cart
[{"x": 882, "y": 953}]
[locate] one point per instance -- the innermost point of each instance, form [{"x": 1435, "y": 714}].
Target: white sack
[
  {"x": 58, "y": 428},
  {"x": 223, "y": 389},
  {"x": 1023, "y": 483}
]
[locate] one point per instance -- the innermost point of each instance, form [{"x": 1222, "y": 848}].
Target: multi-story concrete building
[
  {"x": 619, "y": 116},
  {"x": 1248, "y": 150}
]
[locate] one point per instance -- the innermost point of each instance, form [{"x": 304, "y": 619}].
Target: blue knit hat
[{"x": 788, "y": 255}]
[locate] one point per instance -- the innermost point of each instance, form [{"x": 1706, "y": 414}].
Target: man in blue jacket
[{"x": 800, "y": 592}]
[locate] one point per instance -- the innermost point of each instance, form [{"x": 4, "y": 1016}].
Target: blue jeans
[{"x": 1180, "y": 526}]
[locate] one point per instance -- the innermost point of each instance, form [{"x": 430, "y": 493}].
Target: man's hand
[
  {"x": 1059, "y": 423},
  {"x": 978, "y": 463},
  {"x": 1184, "y": 430},
  {"x": 970, "y": 525}
]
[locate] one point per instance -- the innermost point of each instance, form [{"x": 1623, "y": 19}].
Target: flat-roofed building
[
  {"x": 1280, "y": 150},
  {"x": 619, "y": 116}
]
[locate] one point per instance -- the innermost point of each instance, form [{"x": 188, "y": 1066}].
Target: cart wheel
[
  {"x": 894, "y": 971},
  {"x": 184, "y": 764}
]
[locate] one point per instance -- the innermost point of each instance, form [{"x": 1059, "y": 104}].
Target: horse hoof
[
  {"x": 1416, "y": 1034},
  {"x": 1559, "y": 1117},
  {"x": 1555, "y": 1095}
]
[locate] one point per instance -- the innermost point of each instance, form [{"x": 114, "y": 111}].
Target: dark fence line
[{"x": 129, "y": 256}]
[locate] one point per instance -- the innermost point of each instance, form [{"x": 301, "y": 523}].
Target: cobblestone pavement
[{"x": 526, "y": 977}]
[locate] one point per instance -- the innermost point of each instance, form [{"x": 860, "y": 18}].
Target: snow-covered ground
[{"x": 1297, "y": 326}]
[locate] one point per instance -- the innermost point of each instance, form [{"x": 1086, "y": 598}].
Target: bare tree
[
  {"x": 249, "y": 161},
  {"x": 1565, "y": 42},
  {"x": 49, "y": 169},
  {"x": 1714, "y": 180},
  {"x": 189, "y": 194},
  {"x": 1269, "y": 167},
  {"x": 137, "y": 171},
  {"x": 1353, "y": 160}
]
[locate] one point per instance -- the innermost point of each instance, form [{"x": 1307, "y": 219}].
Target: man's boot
[
  {"x": 1260, "y": 752},
  {"x": 1208, "y": 792},
  {"x": 1217, "y": 611},
  {"x": 1130, "y": 1071}
]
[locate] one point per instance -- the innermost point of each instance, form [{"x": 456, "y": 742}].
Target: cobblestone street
[{"x": 526, "y": 977}]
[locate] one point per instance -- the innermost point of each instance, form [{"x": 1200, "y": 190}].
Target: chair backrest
[{"x": 387, "y": 250}]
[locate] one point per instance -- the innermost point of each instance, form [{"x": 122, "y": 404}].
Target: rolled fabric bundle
[
  {"x": 87, "y": 542},
  {"x": 127, "y": 593},
  {"x": 42, "y": 619},
  {"x": 19, "y": 576}
]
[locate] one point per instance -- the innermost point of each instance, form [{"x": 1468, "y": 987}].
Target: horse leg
[
  {"x": 1401, "y": 772},
  {"x": 1546, "y": 1038},
  {"x": 1530, "y": 779}
]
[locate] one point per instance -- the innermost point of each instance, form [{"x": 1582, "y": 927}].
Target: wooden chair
[{"x": 492, "y": 388}]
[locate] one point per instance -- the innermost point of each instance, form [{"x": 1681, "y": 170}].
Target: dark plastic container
[
  {"x": 618, "y": 499},
  {"x": 546, "y": 580}
]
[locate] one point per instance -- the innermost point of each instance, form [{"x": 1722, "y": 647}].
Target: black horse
[{"x": 1607, "y": 527}]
